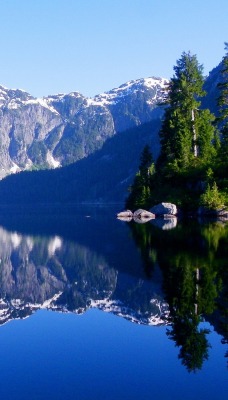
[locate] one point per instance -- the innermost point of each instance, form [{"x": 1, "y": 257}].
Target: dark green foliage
[
  {"x": 189, "y": 147},
  {"x": 140, "y": 189},
  {"x": 221, "y": 163},
  {"x": 187, "y": 131},
  {"x": 223, "y": 153},
  {"x": 211, "y": 198},
  {"x": 195, "y": 283}
]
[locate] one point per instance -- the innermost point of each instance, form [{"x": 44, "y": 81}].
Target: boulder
[
  {"x": 164, "y": 209},
  {"x": 143, "y": 214}
]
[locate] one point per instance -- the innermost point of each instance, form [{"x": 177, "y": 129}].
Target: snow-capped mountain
[
  {"x": 60, "y": 129},
  {"x": 114, "y": 96}
]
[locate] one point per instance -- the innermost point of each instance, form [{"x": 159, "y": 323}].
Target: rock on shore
[{"x": 164, "y": 209}]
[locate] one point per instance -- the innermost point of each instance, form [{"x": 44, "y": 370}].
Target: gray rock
[
  {"x": 164, "y": 209},
  {"x": 143, "y": 214}
]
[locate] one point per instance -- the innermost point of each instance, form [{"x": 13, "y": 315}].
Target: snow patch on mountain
[
  {"x": 51, "y": 161},
  {"x": 15, "y": 239},
  {"x": 42, "y": 102},
  {"x": 14, "y": 168},
  {"x": 151, "y": 82},
  {"x": 117, "y": 308},
  {"x": 55, "y": 244},
  {"x": 115, "y": 95}
]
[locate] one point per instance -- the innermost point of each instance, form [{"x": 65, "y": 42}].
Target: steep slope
[
  {"x": 101, "y": 177},
  {"x": 61, "y": 129},
  {"x": 210, "y": 86}
]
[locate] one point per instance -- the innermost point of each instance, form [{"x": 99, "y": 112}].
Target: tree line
[{"x": 191, "y": 169}]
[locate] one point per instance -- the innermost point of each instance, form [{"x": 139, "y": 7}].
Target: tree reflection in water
[{"x": 192, "y": 258}]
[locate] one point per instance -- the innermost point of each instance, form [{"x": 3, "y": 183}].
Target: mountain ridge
[{"x": 58, "y": 130}]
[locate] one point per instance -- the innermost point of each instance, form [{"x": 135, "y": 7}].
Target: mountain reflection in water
[
  {"x": 63, "y": 275},
  {"x": 142, "y": 273}
]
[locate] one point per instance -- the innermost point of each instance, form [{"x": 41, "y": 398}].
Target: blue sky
[{"x": 92, "y": 46}]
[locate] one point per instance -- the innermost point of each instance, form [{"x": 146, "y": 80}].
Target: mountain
[
  {"x": 61, "y": 129},
  {"x": 107, "y": 159},
  {"x": 103, "y": 176},
  {"x": 211, "y": 89}
]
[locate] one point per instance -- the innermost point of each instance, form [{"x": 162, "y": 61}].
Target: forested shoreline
[{"x": 192, "y": 168}]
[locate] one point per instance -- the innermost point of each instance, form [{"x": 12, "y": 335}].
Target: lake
[{"x": 92, "y": 307}]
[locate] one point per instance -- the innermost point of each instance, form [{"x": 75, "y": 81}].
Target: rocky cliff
[{"x": 58, "y": 130}]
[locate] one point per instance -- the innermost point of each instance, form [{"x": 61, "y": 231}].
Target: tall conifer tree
[
  {"x": 140, "y": 190},
  {"x": 187, "y": 131}
]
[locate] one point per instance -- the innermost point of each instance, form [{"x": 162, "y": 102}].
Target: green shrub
[{"x": 212, "y": 198}]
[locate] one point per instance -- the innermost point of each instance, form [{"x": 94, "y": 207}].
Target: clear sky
[{"x": 92, "y": 46}]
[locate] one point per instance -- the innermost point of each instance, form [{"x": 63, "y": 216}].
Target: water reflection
[
  {"x": 54, "y": 273},
  {"x": 193, "y": 259},
  {"x": 140, "y": 272}
]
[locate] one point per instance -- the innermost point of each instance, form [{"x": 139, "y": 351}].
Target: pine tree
[
  {"x": 140, "y": 189},
  {"x": 187, "y": 131},
  {"x": 146, "y": 165}
]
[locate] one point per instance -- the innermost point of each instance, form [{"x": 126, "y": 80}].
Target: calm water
[{"x": 96, "y": 308}]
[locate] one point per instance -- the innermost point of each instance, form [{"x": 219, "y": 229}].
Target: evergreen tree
[
  {"x": 187, "y": 131},
  {"x": 140, "y": 189},
  {"x": 190, "y": 146},
  {"x": 146, "y": 165}
]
